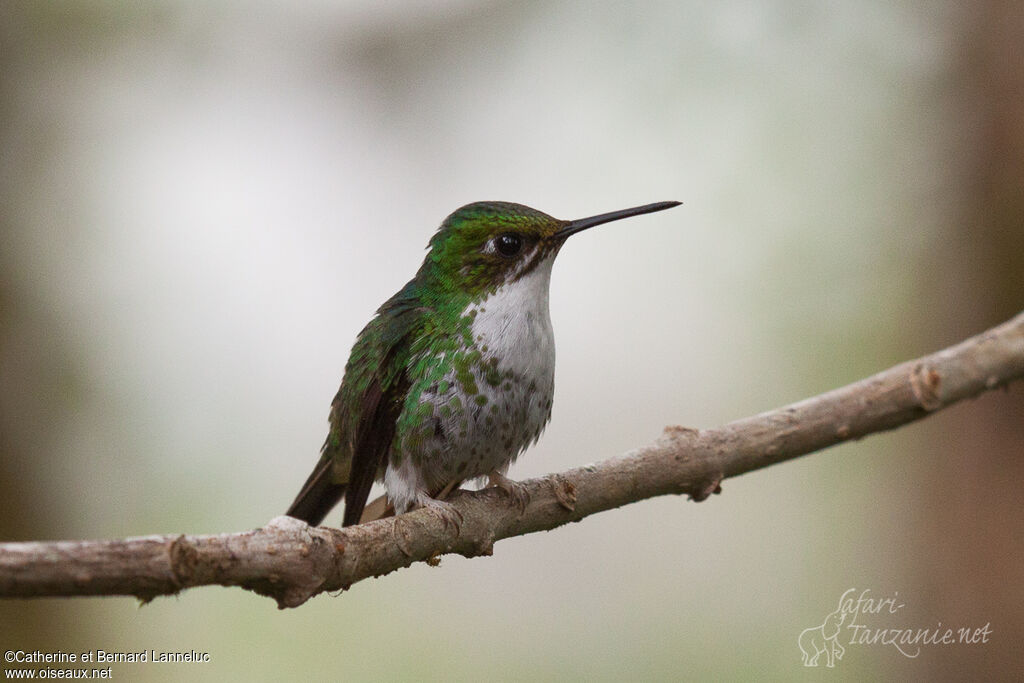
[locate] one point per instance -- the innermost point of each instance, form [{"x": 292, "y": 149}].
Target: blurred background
[{"x": 201, "y": 204}]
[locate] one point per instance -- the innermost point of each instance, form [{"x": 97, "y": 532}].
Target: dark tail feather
[{"x": 318, "y": 495}]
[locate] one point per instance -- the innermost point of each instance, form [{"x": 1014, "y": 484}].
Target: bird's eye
[{"x": 508, "y": 244}]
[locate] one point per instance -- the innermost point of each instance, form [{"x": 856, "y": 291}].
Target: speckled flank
[{"x": 486, "y": 396}]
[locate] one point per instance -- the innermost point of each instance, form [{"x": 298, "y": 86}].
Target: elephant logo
[{"x": 823, "y": 639}]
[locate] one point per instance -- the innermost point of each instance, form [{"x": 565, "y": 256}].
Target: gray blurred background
[{"x": 202, "y": 203}]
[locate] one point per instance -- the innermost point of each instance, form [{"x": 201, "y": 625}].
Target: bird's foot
[
  {"x": 518, "y": 492},
  {"x": 447, "y": 490},
  {"x": 446, "y": 511}
]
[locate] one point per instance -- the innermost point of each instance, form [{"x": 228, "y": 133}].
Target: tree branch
[{"x": 291, "y": 561}]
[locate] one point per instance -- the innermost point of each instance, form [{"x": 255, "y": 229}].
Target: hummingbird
[{"x": 454, "y": 377}]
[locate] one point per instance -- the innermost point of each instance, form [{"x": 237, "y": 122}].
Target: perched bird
[{"x": 454, "y": 377}]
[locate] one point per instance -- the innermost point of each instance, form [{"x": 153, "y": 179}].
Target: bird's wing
[
  {"x": 370, "y": 399},
  {"x": 363, "y": 414}
]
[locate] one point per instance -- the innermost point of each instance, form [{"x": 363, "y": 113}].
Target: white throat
[{"x": 514, "y": 323}]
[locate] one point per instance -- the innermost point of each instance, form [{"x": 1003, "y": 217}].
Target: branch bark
[{"x": 291, "y": 561}]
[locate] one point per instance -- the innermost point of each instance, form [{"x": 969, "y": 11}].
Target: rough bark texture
[{"x": 291, "y": 561}]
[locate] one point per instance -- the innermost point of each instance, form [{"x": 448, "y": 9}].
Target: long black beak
[{"x": 573, "y": 227}]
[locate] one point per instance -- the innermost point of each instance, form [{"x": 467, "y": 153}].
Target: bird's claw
[
  {"x": 517, "y": 491},
  {"x": 451, "y": 517}
]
